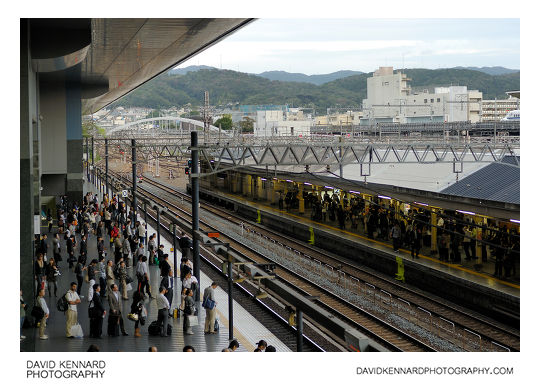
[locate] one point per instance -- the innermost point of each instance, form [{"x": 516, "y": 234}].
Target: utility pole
[{"x": 195, "y": 207}]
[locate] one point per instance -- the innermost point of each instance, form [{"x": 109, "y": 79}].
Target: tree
[
  {"x": 225, "y": 121},
  {"x": 246, "y": 125}
]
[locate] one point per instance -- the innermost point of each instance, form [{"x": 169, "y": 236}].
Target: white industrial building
[
  {"x": 391, "y": 99},
  {"x": 273, "y": 123}
]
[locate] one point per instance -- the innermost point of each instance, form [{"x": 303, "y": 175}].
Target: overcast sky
[{"x": 316, "y": 46}]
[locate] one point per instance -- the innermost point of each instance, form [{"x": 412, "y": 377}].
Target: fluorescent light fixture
[
  {"x": 465, "y": 212},
  {"x": 383, "y": 197},
  {"x": 421, "y": 204},
  {"x": 263, "y": 178},
  {"x": 329, "y": 187},
  {"x": 309, "y": 184},
  {"x": 355, "y": 192},
  {"x": 515, "y": 220},
  {"x": 288, "y": 180}
]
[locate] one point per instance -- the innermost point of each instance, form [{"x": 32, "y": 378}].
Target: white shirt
[
  {"x": 188, "y": 281},
  {"x": 72, "y": 296},
  {"x": 142, "y": 268},
  {"x": 43, "y": 305},
  {"x": 162, "y": 302}
]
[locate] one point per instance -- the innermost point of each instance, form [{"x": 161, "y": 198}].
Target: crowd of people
[
  {"x": 107, "y": 278},
  {"x": 457, "y": 235}
]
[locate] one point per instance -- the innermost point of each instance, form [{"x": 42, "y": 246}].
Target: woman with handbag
[
  {"x": 39, "y": 269},
  {"x": 189, "y": 312},
  {"x": 137, "y": 308},
  {"x": 51, "y": 272}
]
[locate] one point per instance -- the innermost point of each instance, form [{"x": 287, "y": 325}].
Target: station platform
[
  {"x": 247, "y": 330},
  {"x": 464, "y": 270}
]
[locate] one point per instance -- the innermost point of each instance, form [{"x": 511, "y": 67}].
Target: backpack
[
  {"x": 37, "y": 312},
  {"x": 62, "y": 304}
]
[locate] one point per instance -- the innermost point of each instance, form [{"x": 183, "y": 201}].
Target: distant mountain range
[
  {"x": 491, "y": 70},
  {"x": 230, "y": 87},
  {"x": 284, "y": 76}
]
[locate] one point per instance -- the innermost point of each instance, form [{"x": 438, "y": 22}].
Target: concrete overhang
[{"x": 115, "y": 56}]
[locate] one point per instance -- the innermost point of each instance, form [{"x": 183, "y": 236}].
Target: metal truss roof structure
[{"x": 283, "y": 151}]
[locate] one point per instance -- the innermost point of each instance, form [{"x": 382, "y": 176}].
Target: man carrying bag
[{"x": 209, "y": 303}]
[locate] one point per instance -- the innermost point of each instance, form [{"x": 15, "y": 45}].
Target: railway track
[
  {"x": 370, "y": 325},
  {"x": 453, "y": 323},
  {"x": 485, "y": 334}
]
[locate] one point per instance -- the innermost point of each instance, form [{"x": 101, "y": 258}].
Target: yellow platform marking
[{"x": 452, "y": 265}]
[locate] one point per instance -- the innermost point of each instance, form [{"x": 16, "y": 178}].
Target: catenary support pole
[
  {"x": 299, "y": 330},
  {"x": 87, "y": 161},
  {"x": 134, "y": 178},
  {"x": 174, "y": 249},
  {"x": 93, "y": 165},
  {"x": 230, "y": 288},
  {"x": 158, "y": 227},
  {"x": 195, "y": 207},
  {"x": 106, "y": 167}
]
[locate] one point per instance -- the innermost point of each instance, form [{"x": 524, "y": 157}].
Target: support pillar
[
  {"x": 29, "y": 123},
  {"x": 301, "y": 208},
  {"x": 433, "y": 232}
]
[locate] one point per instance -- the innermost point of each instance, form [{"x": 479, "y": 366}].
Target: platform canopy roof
[{"x": 112, "y": 57}]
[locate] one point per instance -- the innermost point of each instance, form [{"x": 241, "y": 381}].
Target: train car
[{"x": 511, "y": 116}]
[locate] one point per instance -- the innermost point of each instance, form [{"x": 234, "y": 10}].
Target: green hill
[{"x": 227, "y": 86}]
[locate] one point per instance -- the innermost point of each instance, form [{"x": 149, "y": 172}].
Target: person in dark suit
[
  {"x": 97, "y": 313},
  {"x": 168, "y": 284},
  {"x": 160, "y": 253},
  {"x": 115, "y": 312},
  {"x": 43, "y": 246},
  {"x": 84, "y": 246},
  {"x": 164, "y": 266},
  {"x": 70, "y": 247}
]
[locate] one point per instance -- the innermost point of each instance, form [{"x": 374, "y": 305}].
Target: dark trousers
[
  {"x": 466, "y": 248},
  {"x": 395, "y": 242},
  {"x": 163, "y": 320},
  {"x": 103, "y": 286},
  {"x": 142, "y": 284},
  {"x": 96, "y": 326},
  {"x": 169, "y": 296},
  {"x": 79, "y": 284}
]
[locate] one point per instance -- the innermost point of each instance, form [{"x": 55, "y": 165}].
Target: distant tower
[{"x": 207, "y": 116}]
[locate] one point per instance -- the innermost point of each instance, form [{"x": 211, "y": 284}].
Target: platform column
[
  {"x": 260, "y": 190},
  {"x": 301, "y": 207},
  {"x": 247, "y": 185},
  {"x": 479, "y": 236},
  {"x": 433, "y": 232}
]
